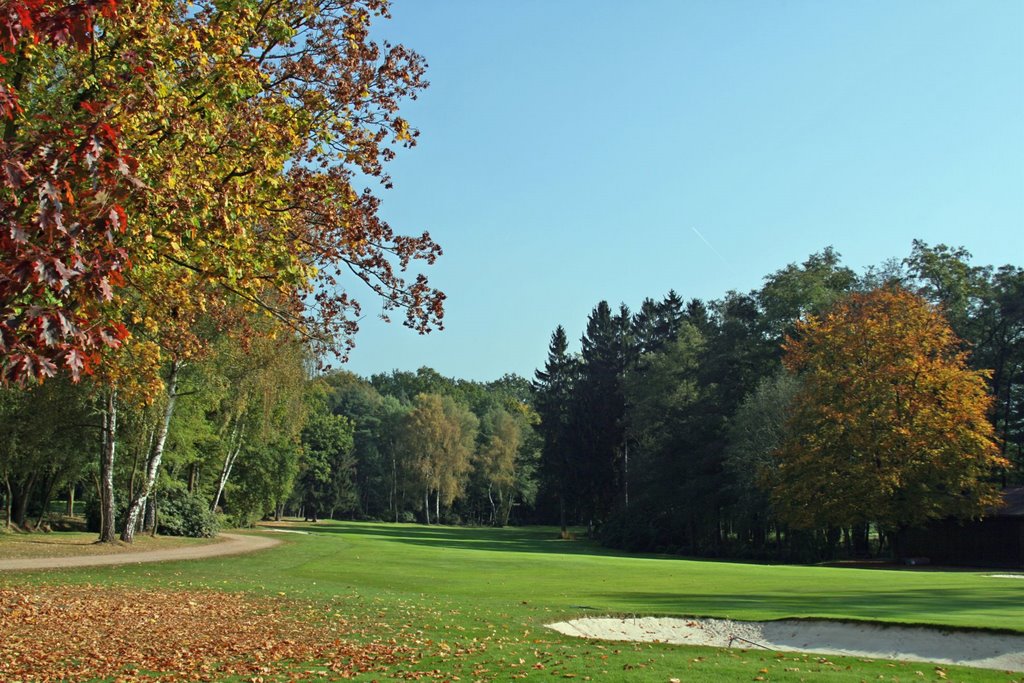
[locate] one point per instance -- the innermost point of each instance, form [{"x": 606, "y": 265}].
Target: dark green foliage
[
  {"x": 985, "y": 307},
  {"x": 180, "y": 513},
  {"x": 264, "y": 479},
  {"x": 673, "y": 413},
  {"x": 755, "y": 432},
  {"x": 92, "y": 513},
  {"x": 553, "y": 390},
  {"x": 325, "y": 484},
  {"x": 794, "y": 291},
  {"x": 598, "y": 412},
  {"x": 41, "y": 449}
]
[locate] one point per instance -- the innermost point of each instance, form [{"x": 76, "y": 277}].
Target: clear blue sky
[{"x": 570, "y": 148}]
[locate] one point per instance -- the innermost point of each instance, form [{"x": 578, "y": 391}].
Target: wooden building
[{"x": 996, "y": 540}]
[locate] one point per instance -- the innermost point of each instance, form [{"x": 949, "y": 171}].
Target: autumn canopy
[
  {"x": 889, "y": 424},
  {"x": 168, "y": 165}
]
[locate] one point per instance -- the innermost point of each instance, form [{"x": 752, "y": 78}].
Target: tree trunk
[
  {"x": 193, "y": 477},
  {"x": 561, "y": 515},
  {"x": 437, "y": 506},
  {"x": 394, "y": 481},
  {"x": 625, "y": 473},
  {"x": 494, "y": 510},
  {"x": 150, "y": 517},
  {"x": 861, "y": 544},
  {"x": 505, "y": 503},
  {"x": 155, "y": 456},
  {"x": 156, "y": 521},
  {"x": 47, "y": 495},
  {"x": 7, "y": 502},
  {"x": 21, "y": 493},
  {"x": 426, "y": 505},
  {"x": 21, "y": 507},
  {"x": 234, "y": 448}
]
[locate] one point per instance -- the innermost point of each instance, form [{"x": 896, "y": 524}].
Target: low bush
[{"x": 180, "y": 513}]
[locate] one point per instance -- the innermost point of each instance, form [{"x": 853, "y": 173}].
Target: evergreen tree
[
  {"x": 599, "y": 412},
  {"x": 553, "y": 391}
]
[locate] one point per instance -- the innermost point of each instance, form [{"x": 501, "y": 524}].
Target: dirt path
[{"x": 229, "y": 544}]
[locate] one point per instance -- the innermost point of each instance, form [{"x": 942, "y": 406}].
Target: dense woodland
[{"x": 825, "y": 410}]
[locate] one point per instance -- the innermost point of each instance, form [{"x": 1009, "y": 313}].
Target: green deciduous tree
[
  {"x": 506, "y": 460},
  {"x": 439, "y": 439},
  {"x": 986, "y": 309},
  {"x": 756, "y": 431},
  {"x": 326, "y": 480}
]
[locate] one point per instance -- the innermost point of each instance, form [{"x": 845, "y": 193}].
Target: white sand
[{"x": 967, "y": 648}]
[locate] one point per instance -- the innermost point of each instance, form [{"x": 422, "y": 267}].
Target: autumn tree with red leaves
[
  {"x": 175, "y": 170},
  {"x": 64, "y": 177},
  {"x": 889, "y": 425},
  {"x": 230, "y": 136}
]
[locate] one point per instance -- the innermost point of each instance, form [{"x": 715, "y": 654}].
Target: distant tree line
[
  {"x": 255, "y": 436},
  {"x": 429, "y": 448},
  {"x": 679, "y": 428}
]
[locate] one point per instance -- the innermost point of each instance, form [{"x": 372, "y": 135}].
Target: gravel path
[{"x": 228, "y": 544}]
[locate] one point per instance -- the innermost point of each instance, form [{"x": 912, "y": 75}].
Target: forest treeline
[
  {"x": 680, "y": 428},
  {"x": 256, "y": 435},
  {"x": 674, "y": 428}
]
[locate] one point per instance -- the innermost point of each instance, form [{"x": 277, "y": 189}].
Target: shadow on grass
[
  {"x": 509, "y": 539},
  {"x": 546, "y": 540},
  {"x": 912, "y": 605}
]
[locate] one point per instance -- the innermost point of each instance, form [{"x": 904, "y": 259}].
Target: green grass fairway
[{"x": 473, "y": 601}]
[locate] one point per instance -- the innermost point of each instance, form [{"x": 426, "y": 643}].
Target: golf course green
[{"x": 471, "y": 603}]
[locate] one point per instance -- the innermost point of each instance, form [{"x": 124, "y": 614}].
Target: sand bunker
[{"x": 967, "y": 648}]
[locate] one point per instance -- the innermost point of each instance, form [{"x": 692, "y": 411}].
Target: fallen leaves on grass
[{"x": 73, "y": 633}]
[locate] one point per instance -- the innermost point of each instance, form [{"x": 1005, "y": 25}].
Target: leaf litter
[{"x": 74, "y": 633}]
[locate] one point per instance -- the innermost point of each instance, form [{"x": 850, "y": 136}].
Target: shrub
[
  {"x": 407, "y": 517},
  {"x": 180, "y": 513}
]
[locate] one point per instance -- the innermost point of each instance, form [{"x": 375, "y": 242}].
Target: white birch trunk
[
  {"x": 107, "y": 531},
  {"x": 155, "y": 456},
  {"x": 234, "y": 448}
]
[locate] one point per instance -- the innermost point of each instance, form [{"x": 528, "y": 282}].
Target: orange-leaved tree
[{"x": 890, "y": 425}]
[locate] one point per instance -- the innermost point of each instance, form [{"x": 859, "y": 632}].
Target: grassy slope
[{"x": 492, "y": 590}]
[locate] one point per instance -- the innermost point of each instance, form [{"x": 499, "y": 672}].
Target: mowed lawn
[{"x": 472, "y": 603}]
